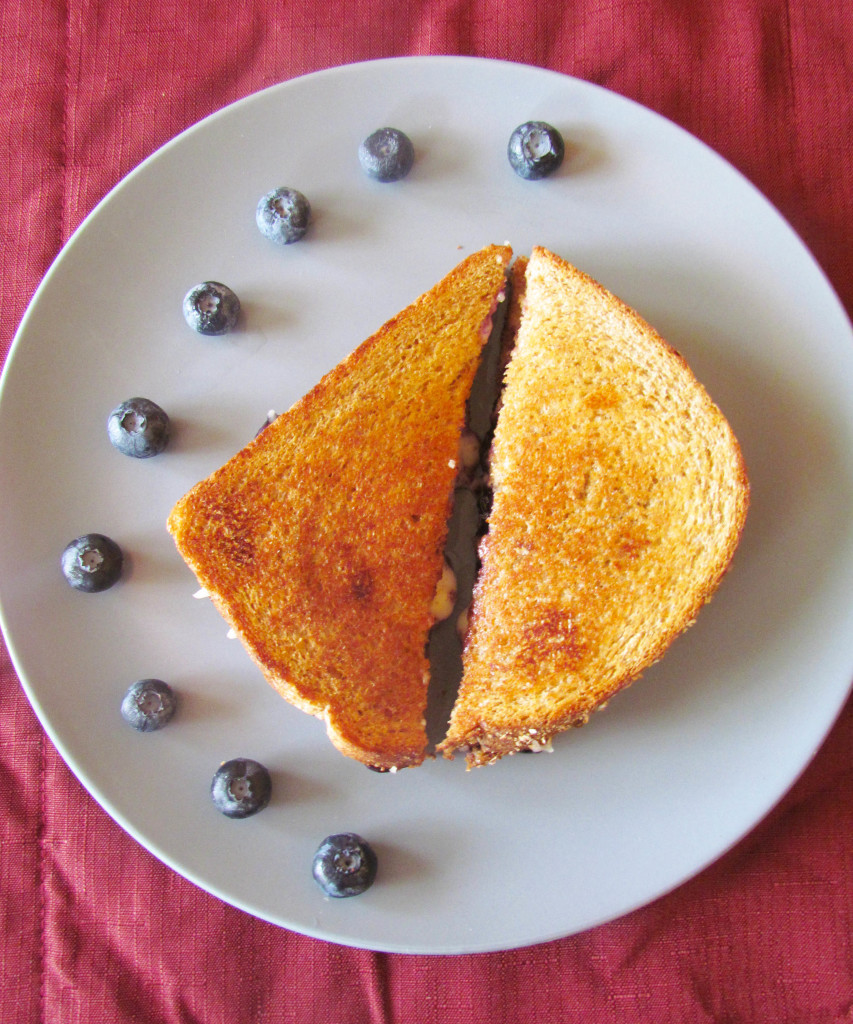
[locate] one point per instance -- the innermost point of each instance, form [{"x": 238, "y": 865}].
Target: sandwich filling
[{"x": 454, "y": 590}]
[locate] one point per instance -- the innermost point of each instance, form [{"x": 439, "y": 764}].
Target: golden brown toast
[
  {"x": 321, "y": 542},
  {"x": 620, "y": 494}
]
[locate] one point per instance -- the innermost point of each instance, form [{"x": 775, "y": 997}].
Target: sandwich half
[
  {"x": 322, "y": 541},
  {"x": 619, "y": 497}
]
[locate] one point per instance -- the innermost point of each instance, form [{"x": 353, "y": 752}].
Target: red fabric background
[{"x": 93, "y": 928}]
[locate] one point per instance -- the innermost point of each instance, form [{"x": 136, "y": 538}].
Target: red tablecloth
[{"x": 93, "y": 928}]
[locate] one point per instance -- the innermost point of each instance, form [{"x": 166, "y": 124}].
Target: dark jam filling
[{"x": 467, "y": 525}]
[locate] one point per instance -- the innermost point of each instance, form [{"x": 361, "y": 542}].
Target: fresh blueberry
[
  {"x": 387, "y": 154},
  {"x": 92, "y": 563},
  {"x": 241, "y": 787},
  {"x": 148, "y": 704},
  {"x": 535, "y": 150},
  {"x": 283, "y": 215},
  {"x": 138, "y": 428},
  {"x": 344, "y": 865},
  {"x": 211, "y": 308}
]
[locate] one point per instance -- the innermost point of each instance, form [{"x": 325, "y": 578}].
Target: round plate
[{"x": 532, "y": 848}]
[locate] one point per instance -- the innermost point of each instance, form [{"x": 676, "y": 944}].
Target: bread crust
[
  {"x": 620, "y": 496},
  {"x": 321, "y": 542}
]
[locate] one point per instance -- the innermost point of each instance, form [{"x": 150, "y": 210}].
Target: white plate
[{"x": 679, "y": 767}]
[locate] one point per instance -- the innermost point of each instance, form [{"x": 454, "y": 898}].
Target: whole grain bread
[
  {"x": 321, "y": 542},
  {"x": 619, "y": 497}
]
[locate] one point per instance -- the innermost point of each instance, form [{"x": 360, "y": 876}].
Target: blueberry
[
  {"x": 148, "y": 704},
  {"x": 241, "y": 787},
  {"x": 344, "y": 865},
  {"x": 282, "y": 215},
  {"x": 138, "y": 428},
  {"x": 92, "y": 563},
  {"x": 211, "y": 308},
  {"x": 387, "y": 154},
  {"x": 535, "y": 150}
]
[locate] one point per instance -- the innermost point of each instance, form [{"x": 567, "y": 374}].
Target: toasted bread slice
[
  {"x": 620, "y": 494},
  {"x": 321, "y": 542}
]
